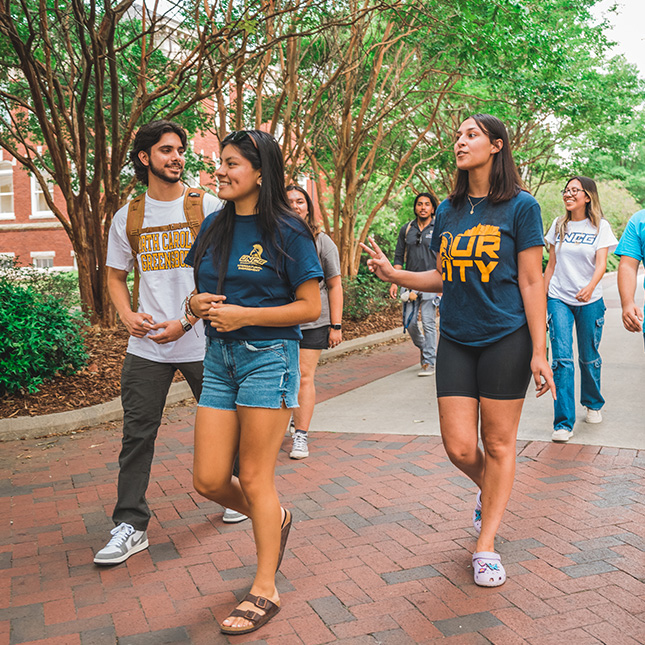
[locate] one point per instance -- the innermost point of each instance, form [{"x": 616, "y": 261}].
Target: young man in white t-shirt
[{"x": 162, "y": 339}]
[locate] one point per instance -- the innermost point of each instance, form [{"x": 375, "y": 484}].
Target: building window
[
  {"x": 43, "y": 259},
  {"x": 39, "y": 206},
  {"x": 6, "y": 190}
]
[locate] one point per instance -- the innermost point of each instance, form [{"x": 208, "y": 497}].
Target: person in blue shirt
[
  {"x": 257, "y": 272},
  {"x": 488, "y": 236},
  {"x": 631, "y": 249}
]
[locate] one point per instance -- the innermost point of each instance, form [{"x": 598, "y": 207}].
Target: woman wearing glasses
[
  {"x": 488, "y": 237},
  {"x": 257, "y": 273},
  {"x": 579, "y": 242}
]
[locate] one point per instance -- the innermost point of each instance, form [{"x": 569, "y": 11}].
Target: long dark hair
[
  {"x": 146, "y": 137},
  {"x": 264, "y": 154},
  {"x": 310, "y": 218},
  {"x": 505, "y": 180}
]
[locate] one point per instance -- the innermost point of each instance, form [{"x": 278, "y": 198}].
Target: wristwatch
[
  {"x": 185, "y": 323},
  {"x": 336, "y": 326}
]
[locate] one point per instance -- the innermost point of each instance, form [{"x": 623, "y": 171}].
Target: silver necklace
[{"x": 472, "y": 206}]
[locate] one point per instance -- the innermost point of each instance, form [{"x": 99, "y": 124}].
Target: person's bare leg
[
  {"x": 499, "y": 423},
  {"x": 261, "y": 432},
  {"x": 217, "y": 436},
  {"x": 307, "y": 395},
  {"x": 459, "y": 421}
]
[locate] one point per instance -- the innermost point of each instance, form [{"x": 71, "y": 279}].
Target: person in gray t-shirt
[
  {"x": 413, "y": 253},
  {"x": 324, "y": 332}
]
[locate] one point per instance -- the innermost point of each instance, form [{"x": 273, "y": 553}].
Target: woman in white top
[{"x": 579, "y": 242}]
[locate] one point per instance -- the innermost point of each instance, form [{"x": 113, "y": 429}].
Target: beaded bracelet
[{"x": 187, "y": 308}]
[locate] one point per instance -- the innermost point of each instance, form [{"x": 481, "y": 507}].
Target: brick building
[{"x": 29, "y": 231}]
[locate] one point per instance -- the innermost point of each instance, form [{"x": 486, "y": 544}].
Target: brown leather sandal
[
  {"x": 284, "y": 534},
  {"x": 269, "y": 608}
]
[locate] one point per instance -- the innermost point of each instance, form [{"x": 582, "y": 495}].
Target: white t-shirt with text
[
  {"x": 576, "y": 259},
  {"x": 164, "y": 279}
]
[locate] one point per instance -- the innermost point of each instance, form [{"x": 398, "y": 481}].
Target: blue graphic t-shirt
[
  {"x": 632, "y": 242},
  {"x": 251, "y": 277},
  {"x": 481, "y": 300}
]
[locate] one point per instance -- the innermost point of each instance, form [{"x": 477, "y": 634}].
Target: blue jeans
[
  {"x": 426, "y": 339},
  {"x": 589, "y": 320}
]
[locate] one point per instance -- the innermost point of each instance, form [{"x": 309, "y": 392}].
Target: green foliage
[
  {"x": 364, "y": 295},
  {"x": 39, "y": 336}
]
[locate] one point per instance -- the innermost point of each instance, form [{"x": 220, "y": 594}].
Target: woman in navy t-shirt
[
  {"x": 257, "y": 274},
  {"x": 488, "y": 237}
]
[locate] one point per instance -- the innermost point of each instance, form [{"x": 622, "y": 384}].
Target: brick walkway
[{"x": 379, "y": 553}]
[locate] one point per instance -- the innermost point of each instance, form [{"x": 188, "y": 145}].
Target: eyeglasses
[
  {"x": 237, "y": 135},
  {"x": 418, "y": 238},
  {"x": 573, "y": 191}
]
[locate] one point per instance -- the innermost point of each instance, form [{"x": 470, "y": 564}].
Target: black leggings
[{"x": 498, "y": 371}]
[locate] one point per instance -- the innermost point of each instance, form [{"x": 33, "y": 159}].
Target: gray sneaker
[
  {"x": 299, "y": 450},
  {"x": 233, "y": 517},
  {"x": 126, "y": 541}
]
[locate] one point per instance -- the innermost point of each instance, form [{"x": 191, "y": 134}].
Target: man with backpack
[
  {"x": 413, "y": 253},
  {"x": 152, "y": 233}
]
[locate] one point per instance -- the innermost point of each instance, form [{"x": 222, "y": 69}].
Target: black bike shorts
[{"x": 498, "y": 371}]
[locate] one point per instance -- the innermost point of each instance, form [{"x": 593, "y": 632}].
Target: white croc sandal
[
  {"x": 488, "y": 569},
  {"x": 477, "y": 513}
]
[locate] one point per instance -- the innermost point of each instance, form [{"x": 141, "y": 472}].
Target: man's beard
[{"x": 159, "y": 172}]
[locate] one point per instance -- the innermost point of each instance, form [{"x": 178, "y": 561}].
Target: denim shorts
[{"x": 250, "y": 373}]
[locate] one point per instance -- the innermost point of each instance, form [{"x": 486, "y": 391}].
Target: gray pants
[{"x": 144, "y": 387}]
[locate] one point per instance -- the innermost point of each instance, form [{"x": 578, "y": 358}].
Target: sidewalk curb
[{"x": 61, "y": 422}]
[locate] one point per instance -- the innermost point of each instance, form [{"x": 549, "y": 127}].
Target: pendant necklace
[{"x": 472, "y": 206}]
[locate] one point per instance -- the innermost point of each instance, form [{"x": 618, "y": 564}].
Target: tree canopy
[{"x": 364, "y": 96}]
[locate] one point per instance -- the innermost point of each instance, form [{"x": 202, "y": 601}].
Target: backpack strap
[
  {"x": 136, "y": 209},
  {"x": 405, "y": 240},
  {"x": 194, "y": 209}
]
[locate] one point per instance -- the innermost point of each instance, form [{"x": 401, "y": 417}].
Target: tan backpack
[{"x": 193, "y": 210}]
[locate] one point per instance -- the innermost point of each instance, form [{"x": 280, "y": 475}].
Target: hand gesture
[
  {"x": 378, "y": 263},
  {"x": 543, "y": 376},
  {"x": 584, "y": 295},
  {"x": 172, "y": 330},
  {"x": 137, "y": 324},
  {"x": 200, "y": 303},
  {"x": 632, "y": 317},
  {"x": 226, "y": 317}
]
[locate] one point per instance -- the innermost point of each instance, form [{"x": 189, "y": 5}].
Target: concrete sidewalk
[{"x": 404, "y": 404}]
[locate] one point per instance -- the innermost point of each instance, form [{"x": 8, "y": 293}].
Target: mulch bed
[{"x": 100, "y": 382}]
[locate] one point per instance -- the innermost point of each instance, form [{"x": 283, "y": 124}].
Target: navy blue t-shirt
[
  {"x": 251, "y": 277},
  {"x": 481, "y": 296}
]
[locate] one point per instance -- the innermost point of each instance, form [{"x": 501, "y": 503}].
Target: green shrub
[
  {"x": 364, "y": 295},
  {"x": 39, "y": 337}
]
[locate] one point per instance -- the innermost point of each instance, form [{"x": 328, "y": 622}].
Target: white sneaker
[
  {"x": 426, "y": 370},
  {"x": 561, "y": 435},
  {"x": 299, "y": 449},
  {"x": 233, "y": 517},
  {"x": 593, "y": 416},
  {"x": 126, "y": 541}
]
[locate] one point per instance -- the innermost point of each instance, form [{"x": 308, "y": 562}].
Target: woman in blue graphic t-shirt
[
  {"x": 488, "y": 237},
  {"x": 257, "y": 273}
]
